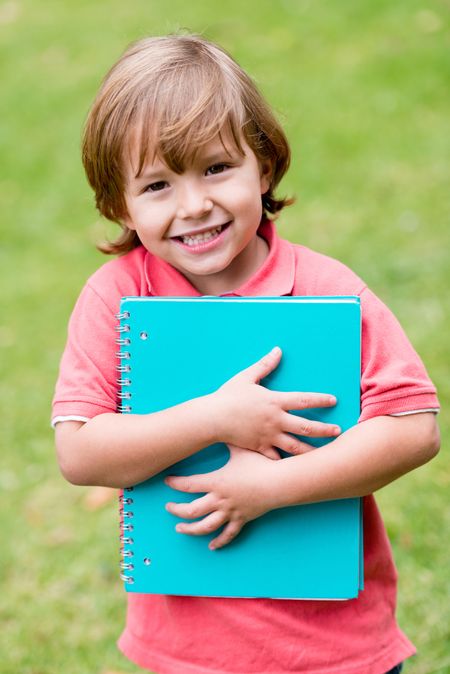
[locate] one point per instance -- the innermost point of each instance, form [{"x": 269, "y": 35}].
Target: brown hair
[{"x": 177, "y": 92}]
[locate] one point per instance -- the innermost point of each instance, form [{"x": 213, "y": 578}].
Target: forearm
[
  {"x": 362, "y": 460},
  {"x": 119, "y": 450}
]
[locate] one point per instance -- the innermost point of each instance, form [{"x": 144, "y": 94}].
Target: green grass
[{"x": 361, "y": 88}]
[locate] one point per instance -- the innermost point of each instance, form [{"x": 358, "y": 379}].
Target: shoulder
[
  {"x": 319, "y": 274},
  {"x": 119, "y": 277}
]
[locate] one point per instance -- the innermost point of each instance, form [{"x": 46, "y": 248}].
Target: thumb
[{"x": 264, "y": 366}]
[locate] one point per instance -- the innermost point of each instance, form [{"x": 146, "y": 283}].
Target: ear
[
  {"x": 127, "y": 222},
  {"x": 266, "y": 171}
]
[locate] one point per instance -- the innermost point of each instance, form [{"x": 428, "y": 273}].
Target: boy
[{"x": 183, "y": 152}]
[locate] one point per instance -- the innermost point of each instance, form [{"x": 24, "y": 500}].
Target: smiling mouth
[{"x": 203, "y": 237}]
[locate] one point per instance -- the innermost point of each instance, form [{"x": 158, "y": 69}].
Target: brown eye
[
  {"x": 156, "y": 187},
  {"x": 216, "y": 168}
]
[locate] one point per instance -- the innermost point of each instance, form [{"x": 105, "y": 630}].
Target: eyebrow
[
  {"x": 219, "y": 154},
  {"x": 148, "y": 175},
  {"x": 220, "y": 150}
]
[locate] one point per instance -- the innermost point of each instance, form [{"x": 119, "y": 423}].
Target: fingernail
[
  {"x": 333, "y": 400},
  {"x": 336, "y": 430},
  {"x": 178, "y": 527},
  {"x": 211, "y": 546},
  {"x": 276, "y": 350}
]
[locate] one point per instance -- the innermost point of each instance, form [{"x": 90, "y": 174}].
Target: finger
[
  {"x": 203, "y": 527},
  {"x": 291, "y": 423},
  {"x": 191, "y": 484},
  {"x": 197, "y": 508},
  {"x": 301, "y": 401},
  {"x": 230, "y": 531},
  {"x": 291, "y": 445},
  {"x": 262, "y": 367},
  {"x": 268, "y": 452}
]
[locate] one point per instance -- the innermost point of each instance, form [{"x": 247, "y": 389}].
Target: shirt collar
[{"x": 274, "y": 278}]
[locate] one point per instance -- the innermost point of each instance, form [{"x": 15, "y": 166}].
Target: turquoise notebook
[{"x": 175, "y": 349}]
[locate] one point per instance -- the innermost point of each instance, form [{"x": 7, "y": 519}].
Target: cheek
[
  {"x": 149, "y": 216},
  {"x": 247, "y": 197}
]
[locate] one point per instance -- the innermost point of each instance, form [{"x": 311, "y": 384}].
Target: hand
[
  {"x": 240, "y": 491},
  {"x": 252, "y": 416}
]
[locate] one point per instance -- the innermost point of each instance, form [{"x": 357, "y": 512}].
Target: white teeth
[{"x": 193, "y": 239}]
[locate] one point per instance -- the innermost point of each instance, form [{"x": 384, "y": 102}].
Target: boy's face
[{"x": 203, "y": 221}]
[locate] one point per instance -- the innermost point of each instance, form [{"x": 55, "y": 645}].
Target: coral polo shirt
[{"x": 197, "y": 635}]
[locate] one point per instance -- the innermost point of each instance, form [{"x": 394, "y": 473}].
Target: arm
[
  {"x": 364, "y": 459},
  {"x": 375, "y": 452},
  {"x": 120, "y": 450},
  {"x": 360, "y": 461}
]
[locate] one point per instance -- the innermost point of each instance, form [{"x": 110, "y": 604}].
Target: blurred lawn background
[{"x": 361, "y": 88}]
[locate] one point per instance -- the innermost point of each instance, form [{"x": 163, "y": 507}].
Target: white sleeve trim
[
  {"x": 58, "y": 420},
  {"x": 61, "y": 419},
  {"x": 404, "y": 414}
]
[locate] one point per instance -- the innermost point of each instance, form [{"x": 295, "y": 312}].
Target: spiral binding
[
  {"x": 126, "y": 541},
  {"x": 125, "y": 501},
  {"x": 122, "y": 356}
]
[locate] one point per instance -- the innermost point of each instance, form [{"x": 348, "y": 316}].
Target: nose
[{"x": 193, "y": 200}]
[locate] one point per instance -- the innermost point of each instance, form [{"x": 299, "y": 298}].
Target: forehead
[{"x": 143, "y": 150}]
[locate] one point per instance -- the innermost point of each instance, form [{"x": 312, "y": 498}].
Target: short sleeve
[
  {"x": 393, "y": 377},
  {"x": 86, "y": 385}
]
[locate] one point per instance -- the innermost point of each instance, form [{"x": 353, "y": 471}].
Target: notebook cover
[{"x": 180, "y": 348}]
